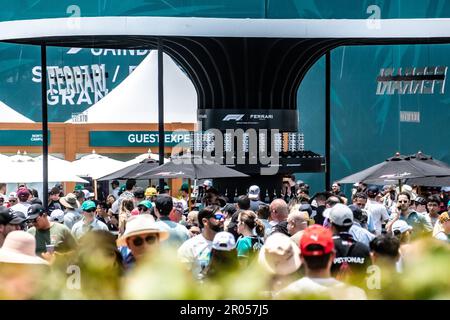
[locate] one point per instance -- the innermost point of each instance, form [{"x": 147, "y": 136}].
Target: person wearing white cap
[
  {"x": 350, "y": 253},
  {"x": 141, "y": 236},
  {"x": 207, "y": 184},
  {"x": 253, "y": 195},
  {"x": 57, "y": 215}
]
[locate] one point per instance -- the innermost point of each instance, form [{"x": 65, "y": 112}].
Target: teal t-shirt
[{"x": 247, "y": 246}]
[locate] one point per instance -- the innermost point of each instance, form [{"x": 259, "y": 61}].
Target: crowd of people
[{"x": 307, "y": 246}]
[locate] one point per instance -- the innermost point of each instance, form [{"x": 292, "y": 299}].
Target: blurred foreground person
[
  {"x": 101, "y": 265},
  {"x": 141, "y": 237},
  {"x": 317, "y": 254},
  {"x": 20, "y": 269},
  {"x": 280, "y": 257}
]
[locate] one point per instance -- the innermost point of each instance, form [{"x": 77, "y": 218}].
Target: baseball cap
[
  {"x": 5, "y": 215},
  {"x": 445, "y": 189},
  {"x": 448, "y": 203},
  {"x": 88, "y": 205},
  {"x": 306, "y": 207},
  {"x": 401, "y": 226},
  {"x": 57, "y": 215},
  {"x": 35, "y": 210},
  {"x": 207, "y": 183},
  {"x": 372, "y": 191},
  {"x": 316, "y": 241},
  {"x": 139, "y": 192},
  {"x": 341, "y": 215},
  {"x": 224, "y": 241},
  {"x": 18, "y": 218},
  {"x": 253, "y": 192},
  {"x": 23, "y": 193},
  {"x": 146, "y": 204},
  {"x": 166, "y": 187},
  {"x": 420, "y": 200},
  {"x": 185, "y": 187},
  {"x": 78, "y": 187},
  {"x": 13, "y": 195},
  {"x": 149, "y": 192}
]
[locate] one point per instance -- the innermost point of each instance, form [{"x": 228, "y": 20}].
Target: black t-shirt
[
  {"x": 318, "y": 218},
  {"x": 351, "y": 252}
]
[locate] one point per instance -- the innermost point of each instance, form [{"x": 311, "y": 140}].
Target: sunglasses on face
[
  {"x": 218, "y": 216},
  {"x": 150, "y": 239},
  {"x": 403, "y": 201},
  {"x": 142, "y": 208}
]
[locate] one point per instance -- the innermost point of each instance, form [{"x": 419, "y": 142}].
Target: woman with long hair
[
  {"x": 251, "y": 240},
  {"x": 124, "y": 213}
]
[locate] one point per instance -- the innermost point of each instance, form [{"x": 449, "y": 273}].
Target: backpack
[{"x": 257, "y": 244}]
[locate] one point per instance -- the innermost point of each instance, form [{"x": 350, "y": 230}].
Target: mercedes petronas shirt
[{"x": 351, "y": 253}]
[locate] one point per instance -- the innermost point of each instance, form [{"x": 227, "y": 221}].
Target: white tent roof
[
  {"x": 135, "y": 100},
  {"x": 226, "y": 27},
  {"x": 10, "y": 115}
]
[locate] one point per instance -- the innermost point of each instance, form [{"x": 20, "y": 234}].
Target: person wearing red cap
[
  {"x": 23, "y": 194},
  {"x": 317, "y": 255}
]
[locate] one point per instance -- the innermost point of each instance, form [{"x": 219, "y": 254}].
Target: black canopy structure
[
  {"x": 130, "y": 171},
  {"x": 190, "y": 167},
  {"x": 430, "y": 181},
  {"x": 397, "y": 168},
  {"x": 241, "y": 68}
]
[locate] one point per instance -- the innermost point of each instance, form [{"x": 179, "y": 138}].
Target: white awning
[{"x": 224, "y": 27}]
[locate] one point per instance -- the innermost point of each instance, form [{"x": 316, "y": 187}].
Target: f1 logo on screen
[{"x": 235, "y": 117}]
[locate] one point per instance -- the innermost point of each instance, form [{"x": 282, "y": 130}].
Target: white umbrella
[
  {"x": 23, "y": 168},
  {"x": 95, "y": 165},
  {"x": 142, "y": 157},
  {"x": 59, "y": 170}
]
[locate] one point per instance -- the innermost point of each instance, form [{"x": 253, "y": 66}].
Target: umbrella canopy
[
  {"x": 131, "y": 170},
  {"x": 430, "y": 181},
  {"x": 95, "y": 165},
  {"x": 190, "y": 167},
  {"x": 23, "y": 168},
  {"x": 396, "y": 168},
  {"x": 144, "y": 156}
]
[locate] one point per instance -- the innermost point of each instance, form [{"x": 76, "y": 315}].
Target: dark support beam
[
  {"x": 44, "y": 127},
  {"x": 161, "y": 108},
  {"x": 328, "y": 120}
]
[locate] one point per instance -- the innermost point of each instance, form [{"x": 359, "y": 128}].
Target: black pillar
[
  {"x": 44, "y": 126},
  {"x": 161, "y": 107},
  {"x": 327, "y": 121}
]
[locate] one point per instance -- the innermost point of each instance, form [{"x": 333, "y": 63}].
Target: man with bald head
[
  {"x": 297, "y": 222},
  {"x": 278, "y": 215}
]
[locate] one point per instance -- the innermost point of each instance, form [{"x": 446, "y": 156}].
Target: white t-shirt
[
  {"x": 22, "y": 207},
  {"x": 322, "y": 288},
  {"x": 378, "y": 213},
  {"x": 196, "y": 253}
]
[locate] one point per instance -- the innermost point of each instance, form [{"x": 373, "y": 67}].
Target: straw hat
[
  {"x": 70, "y": 201},
  {"x": 141, "y": 224},
  {"x": 280, "y": 255},
  {"x": 19, "y": 247}
]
